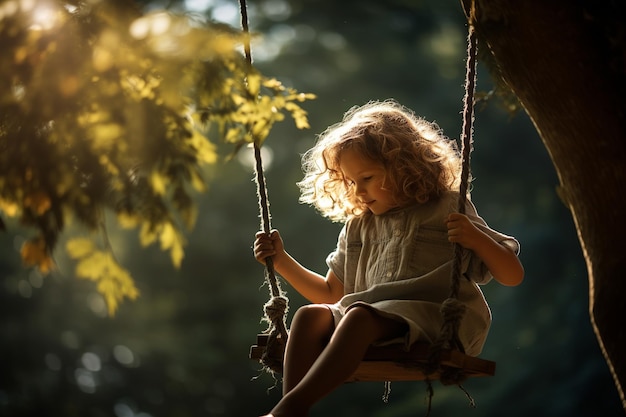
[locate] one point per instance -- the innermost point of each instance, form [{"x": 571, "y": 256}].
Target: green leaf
[
  {"x": 113, "y": 282},
  {"x": 79, "y": 247},
  {"x": 171, "y": 239},
  {"x": 158, "y": 182}
]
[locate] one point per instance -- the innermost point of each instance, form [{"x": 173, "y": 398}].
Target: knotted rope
[
  {"x": 276, "y": 308},
  {"x": 453, "y": 310}
]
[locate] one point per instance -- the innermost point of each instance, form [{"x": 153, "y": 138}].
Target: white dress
[{"x": 399, "y": 265}]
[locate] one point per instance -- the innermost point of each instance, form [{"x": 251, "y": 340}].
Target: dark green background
[{"x": 189, "y": 333}]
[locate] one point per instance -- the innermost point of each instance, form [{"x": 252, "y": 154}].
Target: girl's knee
[
  {"x": 314, "y": 318},
  {"x": 313, "y": 312},
  {"x": 361, "y": 314}
]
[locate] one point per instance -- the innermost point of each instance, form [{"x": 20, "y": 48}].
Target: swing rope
[
  {"x": 276, "y": 308},
  {"x": 452, "y": 310}
]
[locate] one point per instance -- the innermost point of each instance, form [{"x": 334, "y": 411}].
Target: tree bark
[{"x": 564, "y": 60}]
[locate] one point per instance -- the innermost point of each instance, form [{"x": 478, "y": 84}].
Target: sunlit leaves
[
  {"x": 80, "y": 247},
  {"x": 38, "y": 202},
  {"x": 106, "y": 110},
  {"x": 158, "y": 182},
  {"x": 9, "y": 207},
  {"x": 255, "y": 103},
  {"x": 113, "y": 282},
  {"x": 205, "y": 151},
  {"x": 35, "y": 253},
  {"x": 169, "y": 237}
]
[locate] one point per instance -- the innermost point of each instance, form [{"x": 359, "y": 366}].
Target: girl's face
[{"x": 366, "y": 178}]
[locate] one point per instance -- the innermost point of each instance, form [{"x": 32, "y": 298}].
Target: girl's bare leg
[
  {"x": 311, "y": 329},
  {"x": 355, "y": 333}
]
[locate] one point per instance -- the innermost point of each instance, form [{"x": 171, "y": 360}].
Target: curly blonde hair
[{"x": 420, "y": 162}]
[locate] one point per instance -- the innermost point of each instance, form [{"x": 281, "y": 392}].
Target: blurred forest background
[{"x": 181, "y": 348}]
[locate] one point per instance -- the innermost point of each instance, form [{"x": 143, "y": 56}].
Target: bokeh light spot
[
  {"x": 332, "y": 41},
  {"x": 227, "y": 13},
  {"x": 140, "y": 28},
  {"x": 35, "y": 278},
  {"x": 198, "y": 5},
  {"x": 24, "y": 288},
  {"x": 276, "y": 9},
  {"x": 8, "y": 9},
  {"x": 44, "y": 18},
  {"x": 91, "y": 361},
  {"x": 85, "y": 380},
  {"x": 124, "y": 355},
  {"x": 97, "y": 305},
  {"x": 246, "y": 158},
  {"x": 160, "y": 23}
]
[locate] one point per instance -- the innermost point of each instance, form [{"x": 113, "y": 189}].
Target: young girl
[{"x": 390, "y": 176}]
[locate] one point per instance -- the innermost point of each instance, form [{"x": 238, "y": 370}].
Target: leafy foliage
[
  {"x": 103, "y": 109},
  {"x": 99, "y": 266}
]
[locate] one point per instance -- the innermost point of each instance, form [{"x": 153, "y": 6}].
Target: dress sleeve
[{"x": 336, "y": 260}]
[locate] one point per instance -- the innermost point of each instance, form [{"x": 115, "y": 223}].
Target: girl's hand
[
  {"x": 461, "y": 230},
  {"x": 501, "y": 261},
  {"x": 268, "y": 245}
]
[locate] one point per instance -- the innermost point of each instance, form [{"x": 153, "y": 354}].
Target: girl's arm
[
  {"x": 501, "y": 261},
  {"x": 311, "y": 285}
]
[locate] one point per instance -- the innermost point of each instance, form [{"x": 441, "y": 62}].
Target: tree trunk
[{"x": 564, "y": 60}]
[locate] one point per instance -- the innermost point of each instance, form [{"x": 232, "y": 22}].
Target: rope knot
[
  {"x": 452, "y": 310},
  {"x": 276, "y": 308}
]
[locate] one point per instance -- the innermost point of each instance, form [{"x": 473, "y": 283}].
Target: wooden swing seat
[{"x": 391, "y": 363}]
